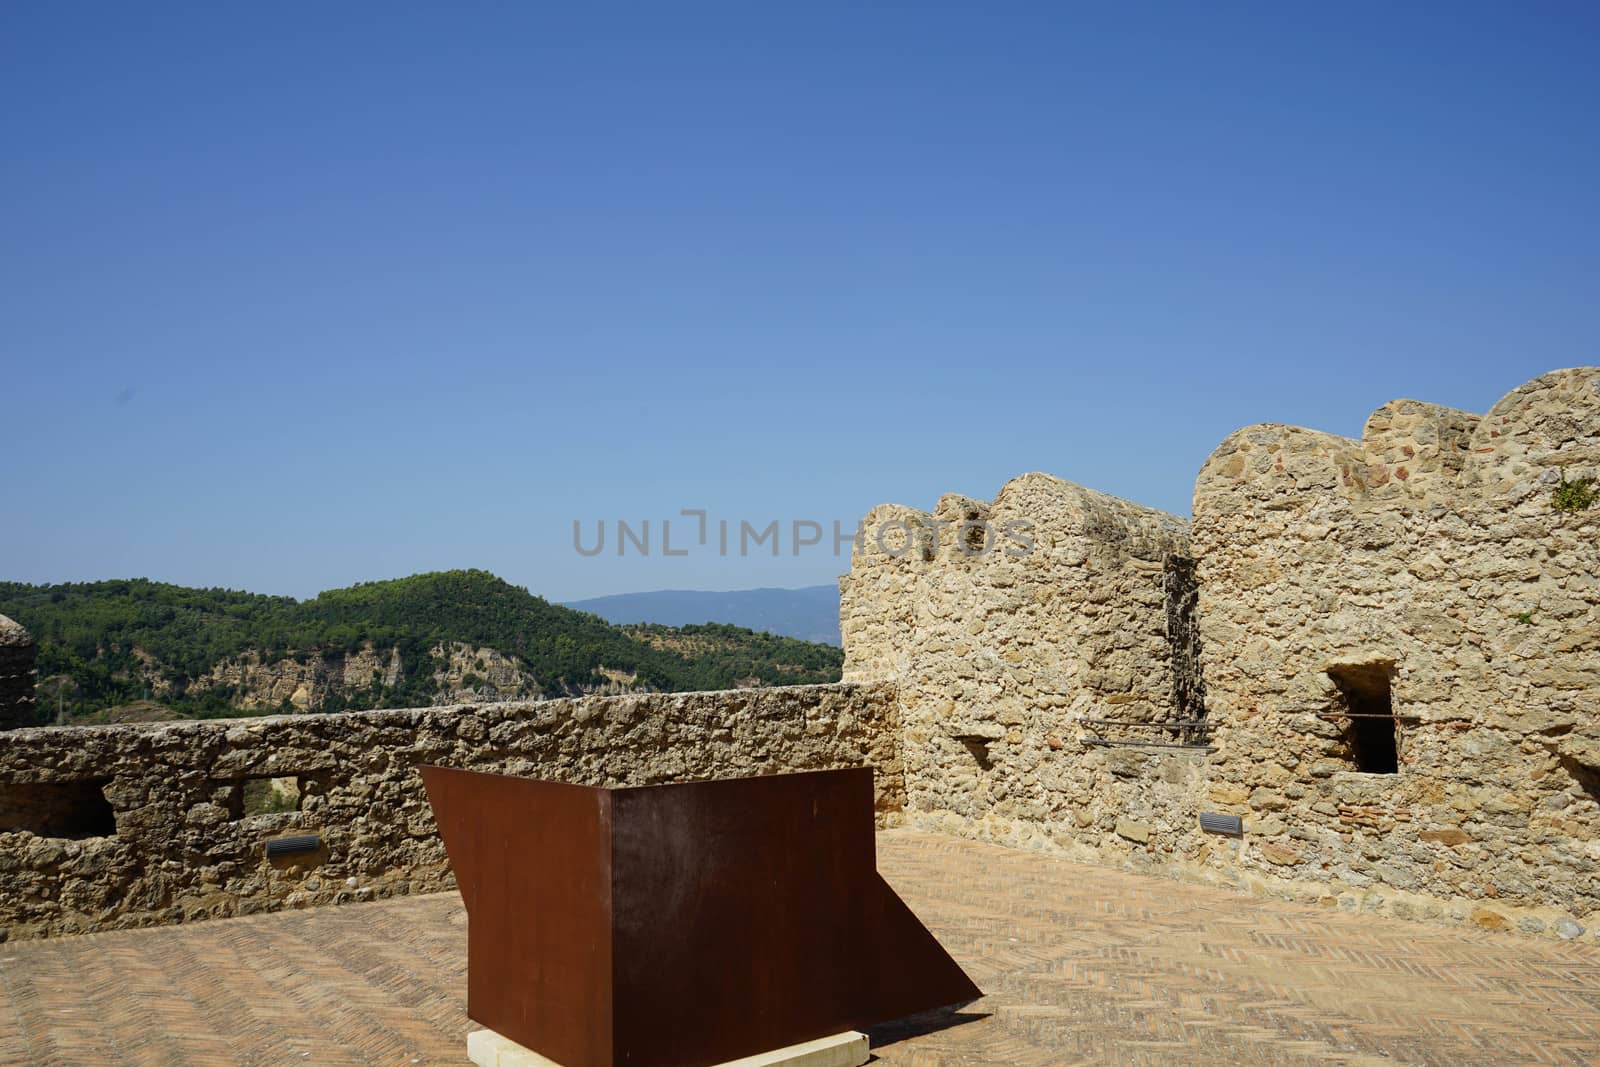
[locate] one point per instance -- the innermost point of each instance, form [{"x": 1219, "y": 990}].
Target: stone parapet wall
[
  {"x": 1000, "y": 644},
  {"x": 18, "y": 706},
  {"x": 117, "y": 826}
]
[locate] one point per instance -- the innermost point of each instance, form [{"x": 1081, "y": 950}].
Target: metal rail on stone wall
[
  {"x": 1370, "y": 715},
  {"x": 1195, "y": 727}
]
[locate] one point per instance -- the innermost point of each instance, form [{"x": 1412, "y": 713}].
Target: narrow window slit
[
  {"x": 1371, "y": 732},
  {"x": 264, "y": 796}
]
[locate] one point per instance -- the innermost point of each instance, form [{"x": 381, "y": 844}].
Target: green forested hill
[{"x": 106, "y": 643}]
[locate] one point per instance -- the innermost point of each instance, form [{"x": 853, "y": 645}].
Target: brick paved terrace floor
[{"x": 1081, "y": 964}]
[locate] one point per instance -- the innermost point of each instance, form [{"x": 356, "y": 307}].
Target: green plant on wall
[{"x": 1577, "y": 495}]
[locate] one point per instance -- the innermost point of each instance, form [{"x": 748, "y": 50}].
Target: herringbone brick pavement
[{"x": 1081, "y": 964}]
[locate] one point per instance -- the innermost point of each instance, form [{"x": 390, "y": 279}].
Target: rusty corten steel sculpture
[{"x": 681, "y": 925}]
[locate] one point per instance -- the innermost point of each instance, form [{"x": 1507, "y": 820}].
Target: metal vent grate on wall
[
  {"x": 289, "y": 846},
  {"x": 1213, "y": 823}
]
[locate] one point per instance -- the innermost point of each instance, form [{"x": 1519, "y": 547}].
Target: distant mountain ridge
[
  {"x": 810, "y": 613},
  {"x": 453, "y": 636}
]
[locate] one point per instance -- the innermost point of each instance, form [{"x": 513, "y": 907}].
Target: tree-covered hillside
[{"x": 105, "y": 643}]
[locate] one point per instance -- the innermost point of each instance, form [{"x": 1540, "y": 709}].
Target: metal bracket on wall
[
  {"x": 1145, "y": 744},
  {"x": 1367, "y": 715}
]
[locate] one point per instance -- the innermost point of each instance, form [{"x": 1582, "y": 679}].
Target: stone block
[
  {"x": 1490, "y": 920},
  {"x": 1279, "y": 855},
  {"x": 850, "y": 1049}
]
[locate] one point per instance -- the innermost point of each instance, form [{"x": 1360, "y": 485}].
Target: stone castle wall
[
  {"x": 18, "y": 706},
  {"x": 115, "y": 826},
  {"x": 1420, "y": 572},
  {"x": 1006, "y": 626}
]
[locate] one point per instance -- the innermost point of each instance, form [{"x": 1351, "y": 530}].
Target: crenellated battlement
[{"x": 1380, "y": 655}]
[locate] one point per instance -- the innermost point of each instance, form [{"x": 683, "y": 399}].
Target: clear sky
[{"x": 295, "y": 295}]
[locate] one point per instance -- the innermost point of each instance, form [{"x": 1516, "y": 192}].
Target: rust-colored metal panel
[
  {"x": 742, "y": 915},
  {"x": 533, "y": 862}
]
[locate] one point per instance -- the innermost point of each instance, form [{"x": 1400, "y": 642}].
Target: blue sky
[{"x": 298, "y": 295}]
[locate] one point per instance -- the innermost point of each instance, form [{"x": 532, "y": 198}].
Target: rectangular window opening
[
  {"x": 57, "y": 809},
  {"x": 265, "y": 796},
  {"x": 1371, "y": 732}
]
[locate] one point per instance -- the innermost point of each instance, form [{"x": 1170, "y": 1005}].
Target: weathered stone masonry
[
  {"x": 1422, "y": 572},
  {"x": 1399, "y": 650},
  {"x": 115, "y": 826},
  {"x": 999, "y": 656}
]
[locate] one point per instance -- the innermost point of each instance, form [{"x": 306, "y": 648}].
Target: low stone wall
[{"x": 117, "y": 826}]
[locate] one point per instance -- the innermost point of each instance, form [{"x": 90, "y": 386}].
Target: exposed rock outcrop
[
  {"x": 301, "y": 682},
  {"x": 306, "y": 682}
]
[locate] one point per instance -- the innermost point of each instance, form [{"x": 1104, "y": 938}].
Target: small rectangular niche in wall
[
  {"x": 57, "y": 809},
  {"x": 978, "y": 749},
  {"x": 1585, "y": 777},
  {"x": 265, "y": 796},
  {"x": 1367, "y": 702}
]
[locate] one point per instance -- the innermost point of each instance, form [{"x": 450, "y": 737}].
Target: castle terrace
[
  {"x": 1313, "y": 777},
  {"x": 1080, "y": 964}
]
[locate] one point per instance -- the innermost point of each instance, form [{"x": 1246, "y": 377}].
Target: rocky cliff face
[
  {"x": 307, "y": 682},
  {"x": 472, "y": 674},
  {"x": 302, "y": 683},
  {"x": 455, "y": 672}
]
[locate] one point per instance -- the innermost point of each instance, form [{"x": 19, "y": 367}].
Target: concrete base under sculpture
[{"x": 850, "y": 1049}]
